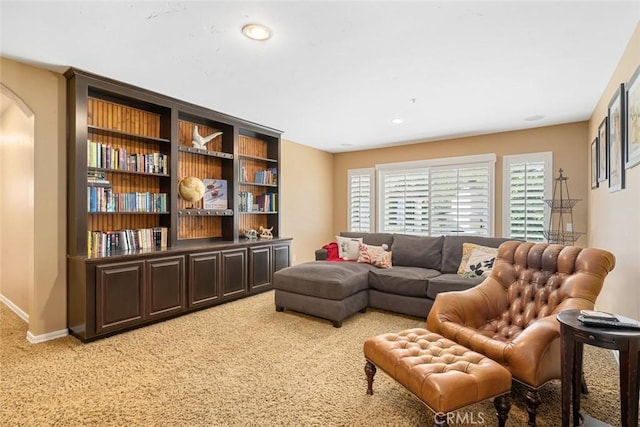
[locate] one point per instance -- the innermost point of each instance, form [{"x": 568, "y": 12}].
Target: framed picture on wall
[
  {"x": 617, "y": 136},
  {"x": 594, "y": 163},
  {"x": 603, "y": 139},
  {"x": 632, "y": 143}
]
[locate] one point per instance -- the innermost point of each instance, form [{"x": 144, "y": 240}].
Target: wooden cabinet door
[
  {"x": 281, "y": 256},
  {"x": 120, "y": 297},
  {"x": 204, "y": 279},
  {"x": 234, "y": 272},
  {"x": 259, "y": 268},
  {"x": 165, "y": 286}
]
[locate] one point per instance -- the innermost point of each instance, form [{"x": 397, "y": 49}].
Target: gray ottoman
[{"x": 326, "y": 289}]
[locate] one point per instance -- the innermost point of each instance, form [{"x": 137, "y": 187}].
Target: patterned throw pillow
[
  {"x": 477, "y": 261},
  {"x": 349, "y": 247},
  {"x": 375, "y": 255}
]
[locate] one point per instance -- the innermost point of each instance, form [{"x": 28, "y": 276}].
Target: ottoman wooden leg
[
  {"x": 370, "y": 370},
  {"x": 503, "y": 405}
]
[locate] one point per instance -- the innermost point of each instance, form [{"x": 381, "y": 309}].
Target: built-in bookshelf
[
  {"x": 258, "y": 181},
  {"x": 213, "y": 162},
  {"x": 122, "y": 162},
  {"x": 138, "y": 251}
]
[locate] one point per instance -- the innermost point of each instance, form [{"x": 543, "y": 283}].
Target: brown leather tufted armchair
[{"x": 511, "y": 316}]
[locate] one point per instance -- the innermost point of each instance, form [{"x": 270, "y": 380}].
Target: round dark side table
[{"x": 573, "y": 336}]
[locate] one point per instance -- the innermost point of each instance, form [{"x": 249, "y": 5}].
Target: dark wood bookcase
[{"x": 138, "y": 252}]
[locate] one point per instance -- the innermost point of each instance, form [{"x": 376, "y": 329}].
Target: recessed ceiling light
[
  {"x": 256, "y": 32},
  {"x": 397, "y": 121},
  {"x": 534, "y": 118}
]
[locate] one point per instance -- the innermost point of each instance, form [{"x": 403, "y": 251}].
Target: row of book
[
  {"x": 249, "y": 202},
  {"x": 108, "y": 157},
  {"x": 101, "y": 242},
  {"x": 266, "y": 176},
  {"x": 103, "y": 199}
]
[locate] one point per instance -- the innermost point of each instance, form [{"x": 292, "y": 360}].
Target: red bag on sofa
[{"x": 332, "y": 251}]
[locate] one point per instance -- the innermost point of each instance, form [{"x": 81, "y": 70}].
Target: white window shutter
[
  {"x": 405, "y": 201},
  {"x": 527, "y": 184},
  {"x": 461, "y": 200},
  {"x": 361, "y": 193}
]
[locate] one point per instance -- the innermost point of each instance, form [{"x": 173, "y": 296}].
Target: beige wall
[
  {"x": 565, "y": 141},
  {"x": 613, "y": 217},
  {"x": 16, "y": 201},
  {"x": 307, "y": 198},
  {"x": 44, "y": 93}
]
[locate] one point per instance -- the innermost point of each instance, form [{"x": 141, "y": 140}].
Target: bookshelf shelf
[
  {"x": 128, "y": 268},
  {"x": 160, "y": 175},
  {"x": 259, "y": 213},
  {"x": 205, "y": 212},
  {"x": 255, "y": 184},
  {"x": 128, "y": 135},
  {"x": 202, "y": 152},
  {"x": 127, "y": 213},
  {"x": 263, "y": 159}
]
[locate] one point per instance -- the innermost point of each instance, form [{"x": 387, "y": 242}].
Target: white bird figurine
[{"x": 199, "y": 141}]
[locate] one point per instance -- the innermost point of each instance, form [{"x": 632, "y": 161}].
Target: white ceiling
[{"x": 336, "y": 73}]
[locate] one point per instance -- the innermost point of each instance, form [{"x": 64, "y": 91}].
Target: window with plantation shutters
[
  {"x": 527, "y": 183},
  {"x": 360, "y": 204},
  {"x": 437, "y": 197},
  {"x": 404, "y": 201},
  {"x": 461, "y": 200}
]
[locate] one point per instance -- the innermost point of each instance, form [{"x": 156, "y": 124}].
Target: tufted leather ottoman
[{"x": 444, "y": 375}]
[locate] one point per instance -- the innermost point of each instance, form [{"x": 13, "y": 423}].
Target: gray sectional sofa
[{"x": 422, "y": 268}]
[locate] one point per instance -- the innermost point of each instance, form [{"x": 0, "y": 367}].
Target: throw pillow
[
  {"x": 375, "y": 255},
  {"x": 477, "y": 261},
  {"x": 467, "y": 248},
  {"x": 349, "y": 247}
]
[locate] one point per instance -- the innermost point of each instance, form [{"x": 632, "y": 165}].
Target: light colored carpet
[{"x": 238, "y": 364}]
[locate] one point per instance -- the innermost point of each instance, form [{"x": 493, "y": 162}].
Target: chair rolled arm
[{"x": 471, "y": 307}]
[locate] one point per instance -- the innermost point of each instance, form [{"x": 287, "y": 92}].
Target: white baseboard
[
  {"x": 21, "y": 314},
  {"x": 36, "y": 339},
  {"x": 33, "y": 339}
]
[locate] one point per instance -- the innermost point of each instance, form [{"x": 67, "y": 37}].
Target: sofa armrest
[{"x": 321, "y": 254}]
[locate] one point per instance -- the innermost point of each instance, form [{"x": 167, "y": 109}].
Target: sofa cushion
[
  {"x": 376, "y": 239},
  {"x": 410, "y": 281},
  {"x": 324, "y": 279},
  {"x": 451, "y": 282},
  {"x": 452, "y": 249},
  {"x": 417, "y": 251}
]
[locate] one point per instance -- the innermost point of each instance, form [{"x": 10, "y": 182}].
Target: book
[
  {"x": 600, "y": 315},
  {"x": 215, "y": 195}
]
